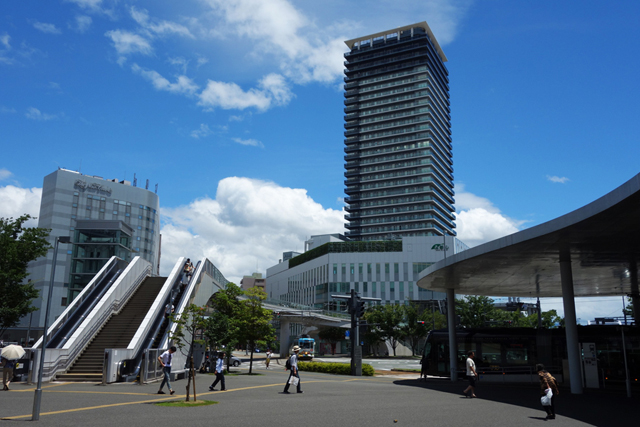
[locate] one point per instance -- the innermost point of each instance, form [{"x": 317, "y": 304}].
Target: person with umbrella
[{"x": 10, "y": 354}]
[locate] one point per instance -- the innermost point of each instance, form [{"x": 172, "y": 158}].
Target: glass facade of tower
[{"x": 399, "y": 168}]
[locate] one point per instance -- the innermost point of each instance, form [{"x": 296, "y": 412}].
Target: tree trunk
[{"x": 193, "y": 374}]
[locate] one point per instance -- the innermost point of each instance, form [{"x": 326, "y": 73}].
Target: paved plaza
[{"x": 328, "y": 400}]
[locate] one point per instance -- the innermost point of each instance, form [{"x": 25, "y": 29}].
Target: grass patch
[{"x": 185, "y": 404}]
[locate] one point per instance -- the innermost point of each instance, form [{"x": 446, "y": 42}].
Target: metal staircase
[{"x": 117, "y": 333}]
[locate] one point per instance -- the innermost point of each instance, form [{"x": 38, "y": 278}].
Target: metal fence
[{"x": 150, "y": 368}]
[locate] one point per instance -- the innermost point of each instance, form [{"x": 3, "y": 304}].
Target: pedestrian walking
[
  {"x": 268, "y": 359},
  {"x": 472, "y": 375},
  {"x": 294, "y": 376},
  {"x": 7, "y": 372},
  {"x": 424, "y": 362},
  {"x": 219, "y": 374},
  {"x": 165, "y": 360},
  {"x": 548, "y": 382}
]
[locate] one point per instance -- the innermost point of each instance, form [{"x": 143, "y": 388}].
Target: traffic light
[{"x": 360, "y": 308}]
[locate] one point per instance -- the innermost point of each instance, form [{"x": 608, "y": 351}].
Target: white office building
[
  {"x": 103, "y": 218},
  {"x": 380, "y": 269}
]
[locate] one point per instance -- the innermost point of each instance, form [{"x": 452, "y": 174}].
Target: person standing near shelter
[
  {"x": 472, "y": 375},
  {"x": 219, "y": 374},
  {"x": 547, "y": 381},
  {"x": 7, "y": 372},
  {"x": 165, "y": 360},
  {"x": 293, "y": 360}
]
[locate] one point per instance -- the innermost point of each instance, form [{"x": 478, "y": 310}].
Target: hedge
[{"x": 334, "y": 368}]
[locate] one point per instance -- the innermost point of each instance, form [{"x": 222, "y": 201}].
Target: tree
[
  {"x": 628, "y": 310},
  {"x": 18, "y": 247},
  {"x": 254, "y": 321},
  {"x": 475, "y": 311},
  {"x": 222, "y": 328},
  {"x": 332, "y": 335},
  {"x": 189, "y": 323},
  {"x": 412, "y": 331},
  {"x": 386, "y": 320}
]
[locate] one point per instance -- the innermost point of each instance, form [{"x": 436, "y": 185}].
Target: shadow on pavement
[{"x": 596, "y": 407}]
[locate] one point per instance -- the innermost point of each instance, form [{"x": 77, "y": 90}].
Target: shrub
[{"x": 334, "y": 368}]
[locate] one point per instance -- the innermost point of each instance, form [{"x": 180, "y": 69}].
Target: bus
[
  {"x": 505, "y": 350},
  {"x": 307, "y": 347}
]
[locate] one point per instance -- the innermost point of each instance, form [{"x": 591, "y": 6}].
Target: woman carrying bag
[{"x": 548, "y": 390}]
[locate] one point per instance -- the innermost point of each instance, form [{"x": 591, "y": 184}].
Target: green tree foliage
[
  {"x": 254, "y": 321},
  {"x": 332, "y": 335},
  {"x": 221, "y": 329},
  {"x": 18, "y": 247},
  {"x": 476, "y": 311},
  {"x": 412, "y": 331},
  {"x": 386, "y": 320}
]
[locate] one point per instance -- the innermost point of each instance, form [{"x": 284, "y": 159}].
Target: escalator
[
  {"x": 62, "y": 330},
  {"x": 116, "y": 333}
]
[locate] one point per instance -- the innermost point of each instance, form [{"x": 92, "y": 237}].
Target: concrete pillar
[
  {"x": 453, "y": 342},
  {"x": 571, "y": 327},
  {"x": 635, "y": 293},
  {"x": 285, "y": 332}
]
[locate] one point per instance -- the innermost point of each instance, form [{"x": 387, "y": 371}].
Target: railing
[
  {"x": 150, "y": 368},
  {"x": 112, "y": 302}
]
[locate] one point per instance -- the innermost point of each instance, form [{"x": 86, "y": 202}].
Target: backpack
[{"x": 287, "y": 366}]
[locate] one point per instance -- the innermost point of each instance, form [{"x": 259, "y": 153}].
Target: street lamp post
[{"x": 38, "y": 394}]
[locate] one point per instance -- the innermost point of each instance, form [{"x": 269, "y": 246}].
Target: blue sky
[{"x": 234, "y": 108}]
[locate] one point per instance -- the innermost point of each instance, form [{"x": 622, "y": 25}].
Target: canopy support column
[
  {"x": 570, "y": 325},
  {"x": 451, "y": 325}
]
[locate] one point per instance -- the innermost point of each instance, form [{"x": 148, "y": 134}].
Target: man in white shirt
[
  {"x": 219, "y": 374},
  {"x": 165, "y": 360},
  {"x": 294, "y": 371},
  {"x": 471, "y": 375}
]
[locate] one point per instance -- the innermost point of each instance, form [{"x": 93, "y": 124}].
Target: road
[{"x": 256, "y": 400}]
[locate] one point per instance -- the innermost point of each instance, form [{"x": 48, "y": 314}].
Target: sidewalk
[{"x": 256, "y": 400}]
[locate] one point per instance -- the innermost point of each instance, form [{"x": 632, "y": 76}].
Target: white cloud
[
  {"x": 126, "y": 42},
  {"x": 5, "y": 39},
  {"x": 141, "y": 16},
  {"x": 46, "y": 28},
  {"x": 16, "y": 201},
  {"x": 277, "y": 27},
  {"x": 557, "y": 179},
  {"x": 247, "y": 216},
  {"x": 7, "y": 110},
  {"x": 183, "y": 84},
  {"x": 250, "y": 142},
  {"x": 231, "y": 96},
  {"x": 82, "y": 24},
  {"x": 35, "y": 114},
  {"x": 203, "y": 132},
  {"x": 4, "y": 174},
  {"x": 479, "y": 221},
  {"x": 272, "y": 90}
]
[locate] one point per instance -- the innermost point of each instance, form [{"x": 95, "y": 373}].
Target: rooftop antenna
[
  {"x": 156, "y": 188},
  {"x": 135, "y": 180},
  {"x": 146, "y": 187}
]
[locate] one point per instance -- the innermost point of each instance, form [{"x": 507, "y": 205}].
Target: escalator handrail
[
  {"x": 72, "y": 309},
  {"x": 64, "y": 333}
]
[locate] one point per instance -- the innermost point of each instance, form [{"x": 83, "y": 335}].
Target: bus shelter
[{"x": 592, "y": 251}]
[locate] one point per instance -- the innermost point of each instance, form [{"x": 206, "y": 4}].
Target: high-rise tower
[{"x": 399, "y": 173}]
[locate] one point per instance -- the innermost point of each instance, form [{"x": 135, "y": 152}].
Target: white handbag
[
  {"x": 294, "y": 381},
  {"x": 546, "y": 399}
]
